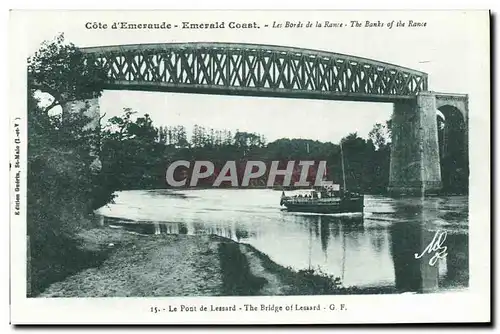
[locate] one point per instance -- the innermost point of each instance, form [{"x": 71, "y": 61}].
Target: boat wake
[{"x": 341, "y": 214}]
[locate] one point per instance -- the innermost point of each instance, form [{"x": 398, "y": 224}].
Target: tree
[
  {"x": 181, "y": 140},
  {"x": 65, "y": 72},
  {"x": 379, "y": 135},
  {"x": 131, "y": 151}
]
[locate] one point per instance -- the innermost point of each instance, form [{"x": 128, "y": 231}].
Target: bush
[{"x": 318, "y": 281}]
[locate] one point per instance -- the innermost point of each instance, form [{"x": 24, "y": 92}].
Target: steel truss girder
[{"x": 259, "y": 70}]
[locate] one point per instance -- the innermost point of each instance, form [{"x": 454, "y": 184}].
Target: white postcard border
[{"x": 472, "y": 305}]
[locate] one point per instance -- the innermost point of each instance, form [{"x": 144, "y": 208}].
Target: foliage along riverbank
[{"x": 135, "y": 265}]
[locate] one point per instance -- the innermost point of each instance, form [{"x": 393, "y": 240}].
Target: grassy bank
[
  {"x": 237, "y": 278},
  {"x": 135, "y": 265},
  {"x": 62, "y": 259}
]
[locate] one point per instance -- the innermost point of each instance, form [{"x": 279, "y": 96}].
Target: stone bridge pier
[
  {"x": 415, "y": 167},
  {"x": 93, "y": 111}
]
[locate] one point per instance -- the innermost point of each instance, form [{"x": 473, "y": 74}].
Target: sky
[
  {"x": 274, "y": 118},
  {"x": 440, "y": 50}
]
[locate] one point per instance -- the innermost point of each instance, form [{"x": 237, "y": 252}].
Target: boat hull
[{"x": 348, "y": 205}]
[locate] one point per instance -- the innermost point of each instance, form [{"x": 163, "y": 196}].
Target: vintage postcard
[{"x": 249, "y": 167}]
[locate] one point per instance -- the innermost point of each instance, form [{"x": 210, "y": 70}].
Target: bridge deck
[{"x": 255, "y": 70}]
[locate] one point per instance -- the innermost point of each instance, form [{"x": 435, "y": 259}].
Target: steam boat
[{"x": 325, "y": 199}]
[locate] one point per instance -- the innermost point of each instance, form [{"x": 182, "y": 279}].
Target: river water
[{"x": 373, "y": 249}]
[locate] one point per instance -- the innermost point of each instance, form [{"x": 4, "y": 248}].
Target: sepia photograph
[{"x": 177, "y": 159}]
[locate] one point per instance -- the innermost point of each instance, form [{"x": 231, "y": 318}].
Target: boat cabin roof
[
  {"x": 331, "y": 187},
  {"x": 300, "y": 192}
]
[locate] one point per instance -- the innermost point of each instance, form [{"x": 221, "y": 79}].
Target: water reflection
[
  {"x": 457, "y": 261},
  {"x": 376, "y": 249},
  {"x": 413, "y": 235},
  {"x": 146, "y": 227}
]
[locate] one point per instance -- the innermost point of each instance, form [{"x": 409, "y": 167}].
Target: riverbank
[{"x": 138, "y": 265}]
